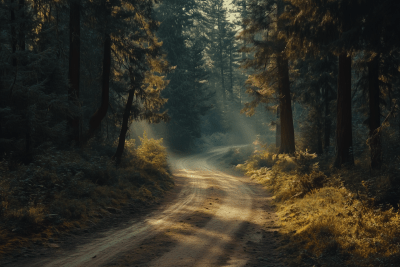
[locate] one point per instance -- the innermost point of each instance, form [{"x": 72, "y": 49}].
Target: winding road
[{"x": 215, "y": 219}]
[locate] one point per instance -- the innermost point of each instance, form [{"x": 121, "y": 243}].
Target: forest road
[{"x": 216, "y": 218}]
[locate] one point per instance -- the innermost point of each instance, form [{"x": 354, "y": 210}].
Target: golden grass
[{"x": 322, "y": 216}]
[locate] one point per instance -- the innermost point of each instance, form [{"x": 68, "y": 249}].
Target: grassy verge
[
  {"x": 346, "y": 217},
  {"x": 62, "y": 190}
]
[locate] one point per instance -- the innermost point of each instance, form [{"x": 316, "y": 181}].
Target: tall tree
[
  {"x": 142, "y": 65},
  {"x": 271, "y": 81},
  {"x": 218, "y": 32},
  {"x": 286, "y": 117},
  {"x": 330, "y": 26},
  {"x": 97, "y": 117},
  {"x": 74, "y": 64},
  {"x": 314, "y": 87},
  {"x": 344, "y": 133},
  {"x": 187, "y": 92},
  {"x": 374, "y": 113},
  {"x": 33, "y": 85}
]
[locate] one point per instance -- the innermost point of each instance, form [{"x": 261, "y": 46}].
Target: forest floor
[{"x": 212, "y": 217}]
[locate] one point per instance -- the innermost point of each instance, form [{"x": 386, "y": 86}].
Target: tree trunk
[
  {"x": 97, "y": 117},
  {"x": 319, "y": 137},
  {"x": 285, "y": 101},
  {"x": 231, "y": 71},
  {"x": 18, "y": 43},
  {"x": 74, "y": 65},
  {"x": 287, "y": 129},
  {"x": 124, "y": 127},
  {"x": 374, "y": 113},
  {"x": 21, "y": 34},
  {"x": 278, "y": 129},
  {"x": 13, "y": 38},
  {"x": 327, "y": 120},
  {"x": 221, "y": 59},
  {"x": 344, "y": 133}
]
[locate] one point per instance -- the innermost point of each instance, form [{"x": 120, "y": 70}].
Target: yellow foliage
[
  {"x": 333, "y": 216},
  {"x": 152, "y": 152},
  {"x": 322, "y": 216}
]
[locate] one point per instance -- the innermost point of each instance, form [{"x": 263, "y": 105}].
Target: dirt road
[{"x": 214, "y": 219}]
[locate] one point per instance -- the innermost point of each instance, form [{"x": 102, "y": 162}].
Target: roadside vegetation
[
  {"x": 64, "y": 190},
  {"x": 73, "y": 78},
  {"x": 333, "y": 217}
]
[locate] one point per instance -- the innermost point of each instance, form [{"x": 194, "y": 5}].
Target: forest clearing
[{"x": 199, "y": 133}]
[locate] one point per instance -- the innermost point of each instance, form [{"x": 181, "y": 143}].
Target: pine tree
[
  {"x": 33, "y": 106},
  {"x": 344, "y": 28},
  {"x": 98, "y": 116},
  {"x": 270, "y": 82},
  {"x": 187, "y": 94},
  {"x": 331, "y": 26},
  {"x": 74, "y": 64},
  {"x": 314, "y": 88},
  {"x": 142, "y": 65}
]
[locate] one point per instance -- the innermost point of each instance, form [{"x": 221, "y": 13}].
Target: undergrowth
[
  {"x": 333, "y": 217},
  {"x": 62, "y": 190}
]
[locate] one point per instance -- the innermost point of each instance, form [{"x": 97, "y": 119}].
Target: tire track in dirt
[
  {"x": 102, "y": 250},
  {"x": 213, "y": 218},
  {"x": 206, "y": 245}
]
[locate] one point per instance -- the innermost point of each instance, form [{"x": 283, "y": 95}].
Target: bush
[
  {"x": 152, "y": 152},
  {"x": 337, "y": 216},
  {"x": 62, "y": 188},
  {"x": 309, "y": 182}
]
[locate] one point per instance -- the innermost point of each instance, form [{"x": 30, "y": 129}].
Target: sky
[{"x": 228, "y": 5}]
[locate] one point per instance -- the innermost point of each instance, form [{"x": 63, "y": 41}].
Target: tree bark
[
  {"x": 231, "y": 71},
  {"x": 21, "y": 35},
  {"x": 285, "y": 101},
  {"x": 221, "y": 59},
  {"x": 374, "y": 113},
  {"x": 327, "y": 120},
  {"x": 74, "y": 66},
  {"x": 319, "y": 137},
  {"x": 124, "y": 127},
  {"x": 286, "y": 116},
  {"x": 344, "y": 133},
  {"x": 278, "y": 129},
  {"x": 97, "y": 117},
  {"x": 13, "y": 38}
]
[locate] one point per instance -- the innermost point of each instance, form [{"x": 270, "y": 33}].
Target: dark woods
[
  {"x": 68, "y": 66},
  {"x": 319, "y": 76},
  {"x": 75, "y": 71},
  {"x": 338, "y": 51}
]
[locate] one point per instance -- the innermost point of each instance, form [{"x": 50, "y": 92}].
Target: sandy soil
[{"x": 212, "y": 218}]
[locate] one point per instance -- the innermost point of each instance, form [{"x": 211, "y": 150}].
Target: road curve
[{"x": 202, "y": 246}]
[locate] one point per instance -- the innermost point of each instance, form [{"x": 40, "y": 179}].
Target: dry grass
[
  {"x": 332, "y": 217},
  {"x": 63, "y": 190}
]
